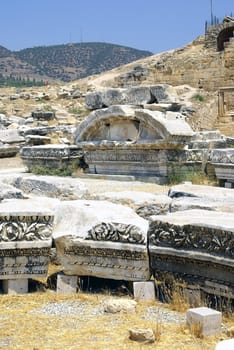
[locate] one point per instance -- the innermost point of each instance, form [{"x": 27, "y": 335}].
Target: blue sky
[{"x": 153, "y": 25}]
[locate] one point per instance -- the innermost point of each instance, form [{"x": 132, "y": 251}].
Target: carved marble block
[
  {"x": 25, "y": 240},
  {"x": 102, "y": 239},
  {"x": 51, "y": 156},
  {"x": 223, "y": 162},
  {"x": 195, "y": 245}
]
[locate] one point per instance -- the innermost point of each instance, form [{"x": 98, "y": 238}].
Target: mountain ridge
[{"x": 66, "y": 62}]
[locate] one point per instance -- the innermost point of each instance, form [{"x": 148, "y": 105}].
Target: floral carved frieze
[
  {"x": 25, "y": 228},
  {"x": 188, "y": 237},
  {"x": 50, "y": 152},
  {"x": 116, "y": 232}
]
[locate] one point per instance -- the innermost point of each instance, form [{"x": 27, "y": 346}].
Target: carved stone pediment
[{"x": 125, "y": 123}]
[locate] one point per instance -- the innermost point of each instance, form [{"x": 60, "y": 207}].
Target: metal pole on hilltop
[{"x": 211, "y": 12}]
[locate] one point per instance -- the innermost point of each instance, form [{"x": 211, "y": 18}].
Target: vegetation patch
[
  {"x": 182, "y": 174},
  {"x": 198, "y": 97}
]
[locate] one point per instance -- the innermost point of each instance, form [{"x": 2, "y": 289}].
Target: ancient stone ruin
[{"x": 25, "y": 243}]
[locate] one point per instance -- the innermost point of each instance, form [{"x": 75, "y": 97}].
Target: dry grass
[{"x": 22, "y": 328}]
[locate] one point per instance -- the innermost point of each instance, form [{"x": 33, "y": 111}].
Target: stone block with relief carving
[
  {"x": 196, "y": 246},
  {"x": 25, "y": 240},
  {"x": 101, "y": 239}
]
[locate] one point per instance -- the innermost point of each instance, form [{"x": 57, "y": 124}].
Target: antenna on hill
[
  {"x": 81, "y": 35},
  {"x": 211, "y": 12}
]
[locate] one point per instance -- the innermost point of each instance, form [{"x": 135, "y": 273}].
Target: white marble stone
[
  {"x": 102, "y": 239},
  {"x": 144, "y": 291},
  {"x": 208, "y": 320},
  {"x": 15, "y": 286},
  {"x": 66, "y": 284}
]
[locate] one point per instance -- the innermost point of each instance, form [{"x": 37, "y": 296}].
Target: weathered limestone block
[
  {"x": 36, "y": 140},
  {"x": 204, "y": 320},
  {"x": 8, "y": 151},
  {"x": 188, "y": 196},
  {"x": 102, "y": 239},
  {"x": 163, "y": 93},
  {"x": 134, "y": 95},
  {"x": 145, "y": 204},
  {"x": 8, "y": 191},
  {"x": 187, "y": 203},
  {"x": 201, "y": 191},
  {"x": 144, "y": 290},
  {"x": 11, "y": 136},
  {"x": 50, "y": 156},
  {"x": 43, "y": 115},
  {"x": 223, "y": 162},
  {"x": 195, "y": 245},
  {"x": 66, "y": 284},
  {"x": 50, "y": 186},
  {"x": 25, "y": 240},
  {"x": 15, "y": 286}
]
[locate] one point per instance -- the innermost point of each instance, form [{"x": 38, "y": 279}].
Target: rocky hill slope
[
  {"x": 64, "y": 62},
  {"x": 195, "y": 71}
]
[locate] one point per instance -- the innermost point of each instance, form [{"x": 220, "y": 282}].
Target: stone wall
[{"x": 199, "y": 64}]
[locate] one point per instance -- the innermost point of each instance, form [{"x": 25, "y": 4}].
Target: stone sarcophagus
[
  {"x": 102, "y": 239},
  {"x": 196, "y": 246},
  {"x": 25, "y": 240}
]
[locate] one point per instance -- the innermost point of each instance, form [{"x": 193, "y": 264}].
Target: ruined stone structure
[
  {"x": 196, "y": 246},
  {"x": 50, "y": 156},
  {"x": 128, "y": 141},
  {"x": 25, "y": 243},
  {"x": 209, "y": 66}
]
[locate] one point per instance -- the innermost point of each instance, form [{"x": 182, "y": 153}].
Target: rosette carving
[
  {"x": 116, "y": 232},
  {"x": 25, "y": 228}
]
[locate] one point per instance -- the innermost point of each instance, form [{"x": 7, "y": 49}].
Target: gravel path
[{"x": 88, "y": 310}]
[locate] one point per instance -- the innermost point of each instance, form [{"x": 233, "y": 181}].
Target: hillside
[
  {"x": 74, "y": 61},
  {"x": 62, "y": 62}
]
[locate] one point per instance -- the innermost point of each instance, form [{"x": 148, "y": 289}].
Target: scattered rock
[
  {"x": 114, "y": 306},
  {"x": 142, "y": 335}
]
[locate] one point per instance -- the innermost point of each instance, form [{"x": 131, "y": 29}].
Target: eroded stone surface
[
  {"x": 135, "y": 95},
  {"x": 8, "y": 191},
  {"x": 201, "y": 191},
  {"x": 102, "y": 239},
  {"x": 25, "y": 240},
  {"x": 187, "y": 203},
  {"x": 114, "y": 306},
  {"x": 50, "y": 186},
  {"x": 145, "y": 204},
  {"x": 195, "y": 245}
]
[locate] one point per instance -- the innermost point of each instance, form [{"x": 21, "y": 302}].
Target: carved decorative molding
[
  {"x": 25, "y": 228},
  {"x": 106, "y": 252},
  {"x": 116, "y": 232},
  {"x": 208, "y": 240},
  {"x": 50, "y": 152}
]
